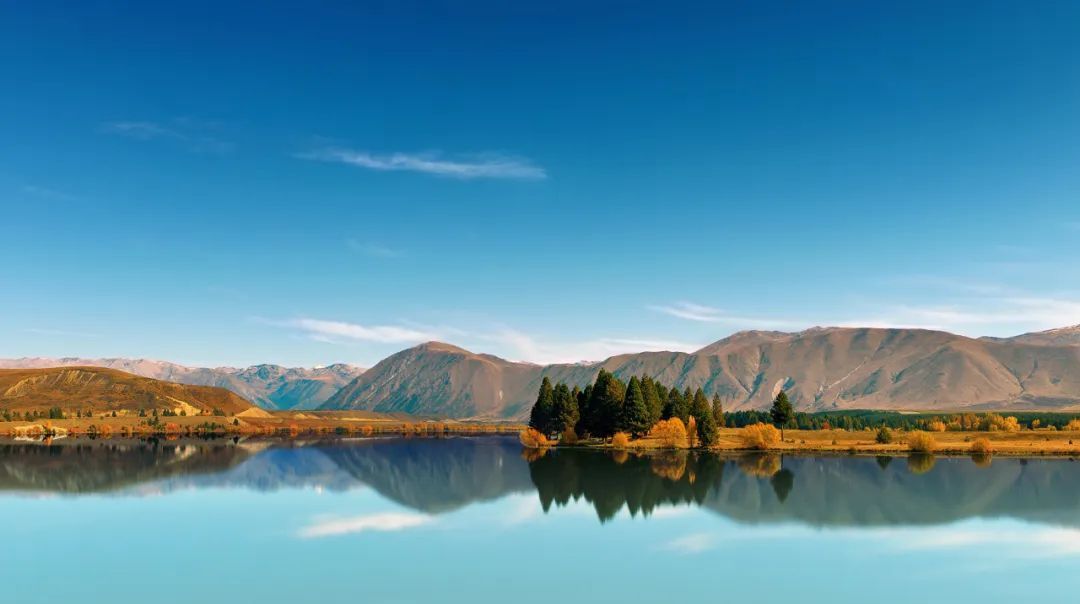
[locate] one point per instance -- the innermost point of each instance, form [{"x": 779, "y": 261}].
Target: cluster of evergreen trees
[{"x": 610, "y": 405}]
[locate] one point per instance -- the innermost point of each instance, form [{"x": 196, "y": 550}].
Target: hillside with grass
[{"x": 76, "y": 390}]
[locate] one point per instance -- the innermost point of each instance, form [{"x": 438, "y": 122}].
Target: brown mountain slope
[
  {"x": 268, "y": 386},
  {"x": 100, "y": 389},
  {"x": 439, "y": 379},
  {"x": 1062, "y": 336},
  {"x": 820, "y": 368}
]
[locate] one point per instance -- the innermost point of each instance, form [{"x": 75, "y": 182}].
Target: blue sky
[{"x": 250, "y": 183}]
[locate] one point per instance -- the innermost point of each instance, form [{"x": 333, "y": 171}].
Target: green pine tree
[
  {"x": 605, "y": 405},
  {"x": 782, "y": 412},
  {"x": 653, "y": 402},
  {"x": 565, "y": 413},
  {"x": 702, "y": 412},
  {"x": 542, "y": 410},
  {"x": 718, "y": 411},
  {"x": 635, "y": 413}
]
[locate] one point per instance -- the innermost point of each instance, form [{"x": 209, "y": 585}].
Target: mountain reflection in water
[{"x": 440, "y": 475}]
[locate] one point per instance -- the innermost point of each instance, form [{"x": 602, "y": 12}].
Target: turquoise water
[{"x": 473, "y": 520}]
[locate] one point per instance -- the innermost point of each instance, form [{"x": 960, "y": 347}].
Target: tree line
[{"x": 609, "y": 406}]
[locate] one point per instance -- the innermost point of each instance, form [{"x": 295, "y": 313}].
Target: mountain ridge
[
  {"x": 267, "y": 385},
  {"x": 822, "y": 368}
]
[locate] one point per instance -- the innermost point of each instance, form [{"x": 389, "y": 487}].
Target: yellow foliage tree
[
  {"x": 621, "y": 440},
  {"x": 669, "y": 433},
  {"x": 921, "y": 442},
  {"x": 760, "y": 436},
  {"x": 936, "y": 425},
  {"x": 982, "y": 446},
  {"x": 532, "y": 438},
  {"x": 1073, "y": 425}
]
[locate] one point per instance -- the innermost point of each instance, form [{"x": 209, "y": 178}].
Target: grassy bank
[
  {"x": 281, "y": 424},
  {"x": 1020, "y": 443}
]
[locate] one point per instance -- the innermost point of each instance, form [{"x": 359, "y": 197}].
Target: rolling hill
[
  {"x": 820, "y": 368},
  {"x": 268, "y": 386},
  {"x": 99, "y": 389}
]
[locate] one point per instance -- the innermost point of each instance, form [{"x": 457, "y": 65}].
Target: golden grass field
[
  {"x": 269, "y": 423},
  {"x": 1025, "y": 442}
]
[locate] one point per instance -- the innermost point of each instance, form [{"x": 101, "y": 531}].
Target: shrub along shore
[{"x": 643, "y": 414}]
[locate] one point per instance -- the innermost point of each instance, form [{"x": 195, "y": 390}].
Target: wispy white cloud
[
  {"x": 375, "y": 250},
  {"x": 983, "y": 310},
  {"x": 1020, "y": 542},
  {"x": 525, "y": 347},
  {"x": 388, "y": 522},
  {"x": 60, "y": 332},
  {"x": 486, "y": 165},
  {"x": 332, "y": 331},
  {"x": 1007, "y": 315},
  {"x": 47, "y": 193},
  {"x": 694, "y": 543},
  {"x": 673, "y": 512},
  {"x": 521, "y": 509},
  {"x": 195, "y": 135},
  {"x": 708, "y": 314},
  {"x": 141, "y": 130}
]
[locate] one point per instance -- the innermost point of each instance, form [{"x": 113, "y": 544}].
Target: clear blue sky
[{"x": 219, "y": 184}]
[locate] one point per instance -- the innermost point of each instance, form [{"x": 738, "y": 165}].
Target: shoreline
[
  {"x": 281, "y": 424},
  {"x": 1026, "y": 443},
  {"x": 289, "y": 426}
]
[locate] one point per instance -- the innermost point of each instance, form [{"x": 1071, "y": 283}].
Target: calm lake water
[{"x": 474, "y": 520}]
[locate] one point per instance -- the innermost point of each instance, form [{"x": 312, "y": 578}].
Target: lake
[{"x": 477, "y": 520}]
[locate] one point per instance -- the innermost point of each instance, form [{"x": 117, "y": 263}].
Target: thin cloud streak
[
  {"x": 708, "y": 314},
  {"x": 60, "y": 332},
  {"x": 375, "y": 250},
  {"x": 47, "y": 193},
  {"x": 1003, "y": 315},
  {"x": 328, "y": 331},
  {"x": 533, "y": 350},
  {"x": 488, "y": 165},
  {"x": 388, "y": 522},
  {"x": 694, "y": 543},
  {"x": 190, "y": 133}
]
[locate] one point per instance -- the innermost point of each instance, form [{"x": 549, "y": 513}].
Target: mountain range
[
  {"x": 820, "y": 368},
  {"x": 268, "y": 386},
  {"x": 823, "y": 368}
]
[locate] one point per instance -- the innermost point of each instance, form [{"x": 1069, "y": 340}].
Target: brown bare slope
[
  {"x": 1062, "y": 336},
  {"x": 820, "y": 368},
  {"x": 99, "y": 389},
  {"x": 268, "y": 386},
  {"x": 439, "y": 379}
]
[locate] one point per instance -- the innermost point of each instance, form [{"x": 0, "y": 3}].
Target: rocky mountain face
[
  {"x": 820, "y": 368},
  {"x": 99, "y": 389},
  {"x": 268, "y": 386}
]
